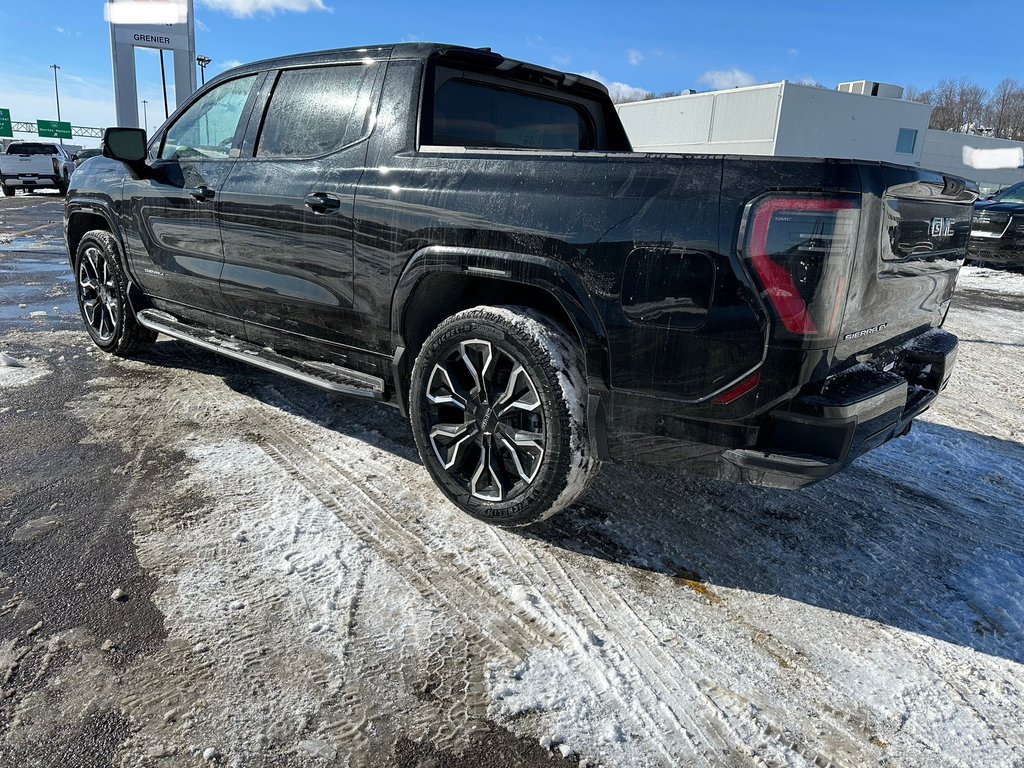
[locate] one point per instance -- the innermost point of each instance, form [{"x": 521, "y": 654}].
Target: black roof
[{"x": 480, "y": 56}]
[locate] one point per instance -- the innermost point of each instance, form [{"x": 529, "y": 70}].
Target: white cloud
[
  {"x": 62, "y": 31},
  {"x": 634, "y": 57},
  {"x": 619, "y": 91},
  {"x": 561, "y": 61},
  {"x": 792, "y": 52},
  {"x": 201, "y": 25},
  {"x": 229, "y": 64},
  {"x": 722, "y": 79},
  {"x": 242, "y": 9}
]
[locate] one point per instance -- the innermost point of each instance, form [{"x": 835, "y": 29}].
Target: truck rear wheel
[
  {"x": 497, "y": 412},
  {"x": 102, "y": 289},
  {"x": 8, "y": 191}
]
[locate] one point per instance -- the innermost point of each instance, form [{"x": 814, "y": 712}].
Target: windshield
[
  {"x": 1014, "y": 194},
  {"x": 32, "y": 149}
]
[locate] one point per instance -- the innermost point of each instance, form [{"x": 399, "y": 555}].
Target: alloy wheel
[
  {"x": 485, "y": 421},
  {"x": 97, "y": 290}
]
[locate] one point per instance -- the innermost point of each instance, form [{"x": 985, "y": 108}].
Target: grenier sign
[
  {"x": 151, "y": 37},
  {"x": 165, "y": 24}
]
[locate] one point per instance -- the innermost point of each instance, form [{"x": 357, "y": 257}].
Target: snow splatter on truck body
[{"x": 763, "y": 319}]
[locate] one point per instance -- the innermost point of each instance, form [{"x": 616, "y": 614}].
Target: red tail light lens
[{"x": 801, "y": 249}]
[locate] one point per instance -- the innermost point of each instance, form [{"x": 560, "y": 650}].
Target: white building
[{"x": 791, "y": 120}]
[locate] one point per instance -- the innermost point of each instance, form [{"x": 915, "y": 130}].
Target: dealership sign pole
[{"x": 168, "y": 25}]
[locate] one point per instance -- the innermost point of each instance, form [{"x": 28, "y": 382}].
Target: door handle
[
  {"x": 202, "y": 193},
  {"x": 321, "y": 202}
]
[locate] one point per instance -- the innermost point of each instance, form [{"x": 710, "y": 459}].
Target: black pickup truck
[{"x": 472, "y": 239}]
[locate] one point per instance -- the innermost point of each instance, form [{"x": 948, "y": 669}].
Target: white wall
[
  {"x": 943, "y": 151},
  {"x": 817, "y": 122},
  {"x": 741, "y": 121}
]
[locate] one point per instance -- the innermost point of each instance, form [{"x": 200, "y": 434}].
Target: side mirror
[{"x": 125, "y": 144}]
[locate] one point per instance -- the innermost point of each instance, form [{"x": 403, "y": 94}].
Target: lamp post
[
  {"x": 145, "y": 116},
  {"x": 56, "y": 91},
  {"x": 202, "y": 61}
]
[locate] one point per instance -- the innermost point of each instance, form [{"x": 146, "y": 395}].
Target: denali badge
[
  {"x": 866, "y": 331},
  {"x": 942, "y": 227}
]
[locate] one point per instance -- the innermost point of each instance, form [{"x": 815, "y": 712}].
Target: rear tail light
[{"x": 801, "y": 249}]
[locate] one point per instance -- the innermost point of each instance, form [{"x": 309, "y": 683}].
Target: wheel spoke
[
  {"x": 442, "y": 389},
  {"x": 486, "y": 475},
  {"x": 524, "y": 448},
  {"x": 90, "y": 259},
  {"x": 519, "y": 393},
  {"x": 448, "y": 440},
  {"x": 104, "y": 328},
  {"x": 479, "y": 371}
]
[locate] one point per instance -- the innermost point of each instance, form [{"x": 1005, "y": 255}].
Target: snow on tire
[{"x": 497, "y": 411}]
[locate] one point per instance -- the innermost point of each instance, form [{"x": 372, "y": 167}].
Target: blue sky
[{"x": 656, "y": 46}]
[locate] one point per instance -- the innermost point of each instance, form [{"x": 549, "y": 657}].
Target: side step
[{"x": 333, "y": 378}]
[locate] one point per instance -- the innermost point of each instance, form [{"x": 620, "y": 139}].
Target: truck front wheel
[
  {"x": 103, "y": 296},
  {"x": 497, "y": 410},
  {"x": 8, "y": 191}
]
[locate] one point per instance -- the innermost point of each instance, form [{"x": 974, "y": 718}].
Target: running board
[{"x": 333, "y": 378}]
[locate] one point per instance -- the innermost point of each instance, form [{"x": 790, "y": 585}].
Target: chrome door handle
[{"x": 202, "y": 193}]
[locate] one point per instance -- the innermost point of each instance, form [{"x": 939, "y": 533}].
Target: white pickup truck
[{"x": 35, "y": 165}]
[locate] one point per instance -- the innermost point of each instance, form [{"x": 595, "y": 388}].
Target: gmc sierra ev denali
[{"x": 472, "y": 239}]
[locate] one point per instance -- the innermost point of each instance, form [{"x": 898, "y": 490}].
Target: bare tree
[
  {"x": 910, "y": 93},
  {"x": 1006, "y": 110},
  {"x": 959, "y": 105}
]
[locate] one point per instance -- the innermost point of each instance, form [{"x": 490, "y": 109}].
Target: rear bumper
[
  {"x": 818, "y": 434},
  {"x": 30, "y": 182}
]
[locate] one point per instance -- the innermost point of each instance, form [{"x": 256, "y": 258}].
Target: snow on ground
[
  {"x": 975, "y": 278},
  {"x": 19, "y": 372},
  {"x": 322, "y": 599}
]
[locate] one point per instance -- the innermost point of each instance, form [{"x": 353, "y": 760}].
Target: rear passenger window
[
  {"x": 468, "y": 114},
  {"x": 318, "y": 110}
]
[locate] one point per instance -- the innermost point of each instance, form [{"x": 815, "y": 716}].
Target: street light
[
  {"x": 145, "y": 116},
  {"x": 202, "y": 61},
  {"x": 56, "y": 91}
]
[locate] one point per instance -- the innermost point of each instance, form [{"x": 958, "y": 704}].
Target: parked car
[
  {"x": 35, "y": 165},
  {"x": 84, "y": 154},
  {"x": 997, "y": 232},
  {"x": 471, "y": 238}
]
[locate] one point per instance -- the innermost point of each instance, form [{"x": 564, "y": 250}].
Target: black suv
[
  {"x": 997, "y": 236},
  {"x": 471, "y": 238}
]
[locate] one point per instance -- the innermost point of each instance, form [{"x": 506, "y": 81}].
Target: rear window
[
  {"x": 470, "y": 114},
  {"x": 32, "y": 149}
]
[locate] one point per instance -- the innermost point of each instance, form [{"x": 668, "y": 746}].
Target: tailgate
[
  {"x": 30, "y": 165},
  {"x": 914, "y": 231}
]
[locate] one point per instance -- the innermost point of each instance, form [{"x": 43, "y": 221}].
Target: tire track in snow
[{"x": 645, "y": 679}]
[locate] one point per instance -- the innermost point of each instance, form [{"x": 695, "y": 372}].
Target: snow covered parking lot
[{"x": 296, "y": 592}]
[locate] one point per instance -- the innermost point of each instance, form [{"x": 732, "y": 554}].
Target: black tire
[
  {"x": 102, "y": 290},
  {"x": 515, "y": 450},
  {"x": 63, "y": 186},
  {"x": 8, "y": 191}
]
